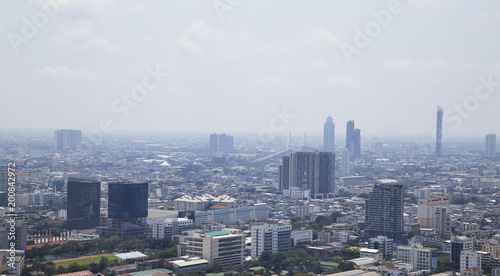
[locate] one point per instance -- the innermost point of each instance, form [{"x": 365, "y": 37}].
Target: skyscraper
[
  {"x": 357, "y": 142},
  {"x": 221, "y": 142},
  {"x": 127, "y": 211},
  {"x": 439, "y": 131},
  {"x": 329, "y": 135},
  {"x": 314, "y": 171},
  {"x": 349, "y": 136},
  {"x": 491, "y": 146},
  {"x": 353, "y": 139},
  {"x": 384, "y": 210},
  {"x": 214, "y": 142},
  {"x": 84, "y": 200},
  {"x": 68, "y": 139}
]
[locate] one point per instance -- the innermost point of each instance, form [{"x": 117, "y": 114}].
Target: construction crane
[{"x": 50, "y": 225}]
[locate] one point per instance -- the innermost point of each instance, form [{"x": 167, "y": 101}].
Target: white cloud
[
  {"x": 417, "y": 66},
  {"x": 63, "y": 72},
  {"x": 80, "y": 36}
]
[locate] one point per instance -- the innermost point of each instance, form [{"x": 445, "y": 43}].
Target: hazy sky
[{"x": 234, "y": 64}]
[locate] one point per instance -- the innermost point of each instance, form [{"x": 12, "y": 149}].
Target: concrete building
[
  {"x": 433, "y": 213},
  {"x": 166, "y": 228},
  {"x": 421, "y": 258},
  {"x": 203, "y": 202},
  {"x": 492, "y": 246},
  {"x": 222, "y": 247},
  {"x": 382, "y": 243},
  {"x": 304, "y": 236},
  {"x": 459, "y": 244},
  {"x": 469, "y": 259},
  {"x": 271, "y": 238}
]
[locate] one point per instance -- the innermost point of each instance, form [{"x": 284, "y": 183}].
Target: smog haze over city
[{"x": 249, "y": 137}]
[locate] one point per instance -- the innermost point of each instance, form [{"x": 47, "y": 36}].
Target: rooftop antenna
[{"x": 289, "y": 142}]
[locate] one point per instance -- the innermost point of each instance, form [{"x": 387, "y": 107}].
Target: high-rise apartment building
[
  {"x": 313, "y": 171},
  {"x": 83, "y": 201},
  {"x": 68, "y": 139},
  {"x": 439, "y": 131},
  {"x": 384, "y": 210},
  {"x": 329, "y": 135},
  {"x": 271, "y": 238},
  {"x": 491, "y": 146},
  {"x": 433, "y": 213},
  {"x": 221, "y": 142}
]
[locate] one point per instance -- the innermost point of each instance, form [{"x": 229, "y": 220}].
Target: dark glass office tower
[
  {"x": 384, "y": 210},
  {"x": 84, "y": 199},
  {"x": 439, "y": 131},
  {"x": 127, "y": 211},
  {"x": 329, "y": 135},
  {"x": 127, "y": 200}
]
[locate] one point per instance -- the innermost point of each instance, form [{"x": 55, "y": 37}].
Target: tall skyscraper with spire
[
  {"x": 439, "y": 131},
  {"x": 329, "y": 135}
]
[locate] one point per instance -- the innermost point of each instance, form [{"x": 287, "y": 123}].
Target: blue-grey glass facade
[{"x": 127, "y": 200}]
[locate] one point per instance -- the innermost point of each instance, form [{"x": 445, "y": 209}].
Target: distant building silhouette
[
  {"x": 378, "y": 149},
  {"x": 353, "y": 139},
  {"x": 384, "y": 210},
  {"x": 68, "y": 139},
  {"x": 83, "y": 201},
  {"x": 439, "y": 131},
  {"x": 221, "y": 142},
  {"x": 313, "y": 171},
  {"x": 345, "y": 163},
  {"x": 491, "y": 146},
  {"x": 349, "y": 136},
  {"x": 329, "y": 135}
]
